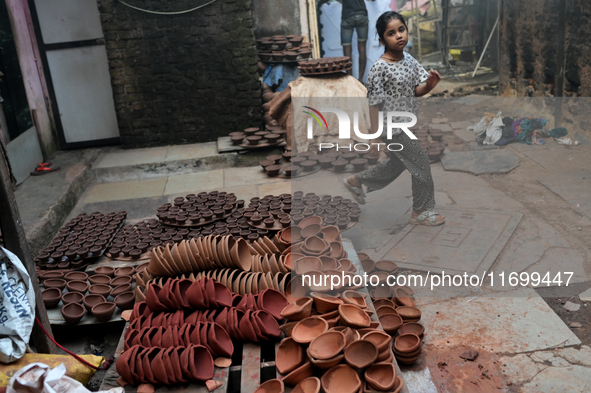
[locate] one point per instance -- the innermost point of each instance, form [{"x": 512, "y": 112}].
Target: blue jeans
[{"x": 359, "y": 22}]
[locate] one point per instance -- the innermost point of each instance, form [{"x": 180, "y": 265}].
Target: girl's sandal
[
  {"x": 357, "y": 192},
  {"x": 428, "y": 218}
]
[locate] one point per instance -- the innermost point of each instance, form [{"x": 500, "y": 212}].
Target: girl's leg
[
  {"x": 379, "y": 175},
  {"x": 414, "y": 158}
]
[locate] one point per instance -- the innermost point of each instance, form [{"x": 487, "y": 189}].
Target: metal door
[{"x": 71, "y": 42}]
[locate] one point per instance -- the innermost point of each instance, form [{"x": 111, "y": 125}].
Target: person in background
[{"x": 354, "y": 17}]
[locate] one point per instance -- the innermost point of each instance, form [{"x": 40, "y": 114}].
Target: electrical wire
[
  {"x": 104, "y": 366},
  {"x": 167, "y": 13}
]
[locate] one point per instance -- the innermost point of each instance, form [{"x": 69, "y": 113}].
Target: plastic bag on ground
[{"x": 39, "y": 378}]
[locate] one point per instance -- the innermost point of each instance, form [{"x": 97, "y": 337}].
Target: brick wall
[
  {"x": 181, "y": 78},
  {"x": 544, "y": 48}
]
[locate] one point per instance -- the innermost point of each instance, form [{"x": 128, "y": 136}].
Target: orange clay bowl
[
  {"x": 361, "y": 354},
  {"x": 407, "y": 343},
  {"x": 308, "y": 329},
  {"x": 327, "y": 345},
  {"x": 353, "y": 316}
]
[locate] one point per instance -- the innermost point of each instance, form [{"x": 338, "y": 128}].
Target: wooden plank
[
  {"x": 250, "y": 378},
  {"x": 16, "y": 242},
  {"x": 19, "y": 15}
]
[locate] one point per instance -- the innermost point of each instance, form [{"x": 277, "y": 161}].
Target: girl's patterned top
[{"x": 391, "y": 86}]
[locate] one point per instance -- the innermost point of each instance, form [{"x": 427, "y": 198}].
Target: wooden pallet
[{"x": 251, "y": 365}]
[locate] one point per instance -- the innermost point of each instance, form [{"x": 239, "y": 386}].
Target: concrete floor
[{"x": 523, "y": 345}]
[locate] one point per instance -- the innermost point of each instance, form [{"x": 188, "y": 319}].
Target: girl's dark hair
[{"x": 384, "y": 19}]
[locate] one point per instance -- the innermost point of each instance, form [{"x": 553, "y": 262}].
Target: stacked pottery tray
[
  {"x": 136, "y": 241},
  {"x": 283, "y": 49},
  {"x": 93, "y": 298},
  {"x": 326, "y": 65},
  {"x": 83, "y": 238},
  {"x": 280, "y": 166},
  {"x": 198, "y": 209},
  {"x": 278, "y": 212},
  {"x": 254, "y": 137},
  {"x": 430, "y": 141}
]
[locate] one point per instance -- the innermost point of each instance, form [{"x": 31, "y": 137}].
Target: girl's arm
[{"x": 432, "y": 81}]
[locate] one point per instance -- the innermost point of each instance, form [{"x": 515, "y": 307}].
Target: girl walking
[{"x": 394, "y": 82}]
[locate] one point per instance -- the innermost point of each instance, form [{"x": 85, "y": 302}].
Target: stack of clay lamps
[
  {"x": 166, "y": 366},
  {"x": 400, "y": 316},
  {"x": 336, "y": 336},
  {"x": 254, "y": 317},
  {"x": 204, "y": 253},
  {"x": 85, "y": 236}
]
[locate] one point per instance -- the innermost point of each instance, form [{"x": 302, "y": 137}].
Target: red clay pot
[
  {"x": 175, "y": 360},
  {"x": 123, "y": 367},
  {"x": 195, "y": 295},
  {"x": 267, "y": 324},
  {"x": 152, "y": 299},
  {"x": 168, "y": 367},
  {"x": 197, "y": 360},
  {"x": 158, "y": 369},
  {"x": 219, "y": 341}
]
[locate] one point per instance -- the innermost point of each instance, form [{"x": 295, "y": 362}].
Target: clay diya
[
  {"x": 76, "y": 276},
  {"x": 327, "y": 345},
  {"x": 385, "y": 310},
  {"x": 308, "y": 329},
  {"x": 271, "y": 386},
  {"x": 412, "y": 327},
  {"x": 77, "y": 286},
  {"x": 103, "y": 311},
  {"x": 381, "y": 376},
  {"x": 308, "y": 385},
  {"x": 354, "y": 297},
  {"x": 106, "y": 270},
  {"x": 380, "y": 339},
  {"x": 407, "y": 343},
  {"x": 300, "y": 309},
  {"x": 307, "y": 264},
  {"x": 361, "y": 354},
  {"x": 409, "y": 314},
  {"x": 353, "y": 316},
  {"x": 92, "y": 300},
  {"x": 51, "y": 297},
  {"x": 299, "y": 374},
  {"x": 100, "y": 289},
  {"x": 290, "y": 356},
  {"x": 73, "y": 313},
  {"x": 326, "y": 363},
  {"x": 341, "y": 379},
  {"x": 386, "y": 266},
  {"x": 325, "y": 303},
  {"x": 391, "y": 323},
  {"x": 72, "y": 297},
  {"x": 99, "y": 279},
  {"x": 58, "y": 283}
]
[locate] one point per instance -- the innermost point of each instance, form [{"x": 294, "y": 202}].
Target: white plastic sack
[
  {"x": 17, "y": 307},
  {"x": 38, "y": 378},
  {"x": 494, "y": 132}
]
